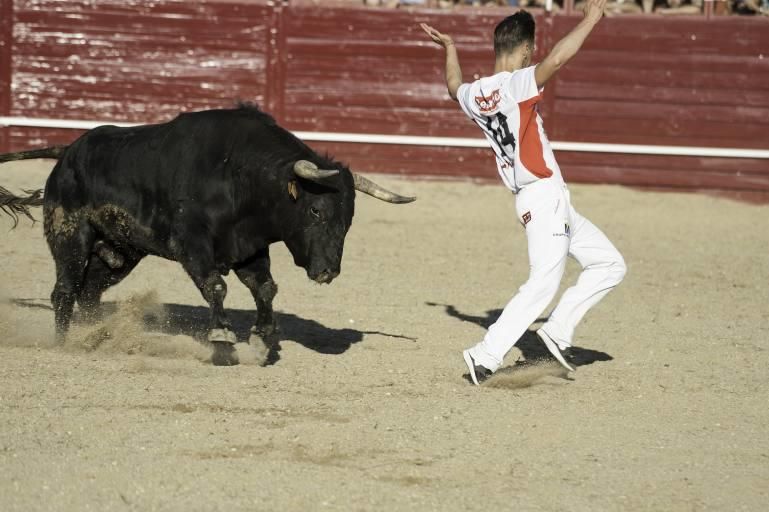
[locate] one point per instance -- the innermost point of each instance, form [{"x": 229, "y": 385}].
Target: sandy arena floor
[{"x": 366, "y": 407}]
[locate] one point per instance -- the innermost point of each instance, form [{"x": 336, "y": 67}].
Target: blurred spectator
[
  {"x": 540, "y": 4},
  {"x": 619, "y": 6},
  {"x": 679, "y": 7},
  {"x": 382, "y": 3},
  {"x": 623, "y": 7},
  {"x": 648, "y": 6},
  {"x": 499, "y": 3},
  {"x": 750, "y": 7},
  {"x": 409, "y": 3},
  {"x": 665, "y": 7},
  {"x": 448, "y": 4},
  {"x": 478, "y": 3}
]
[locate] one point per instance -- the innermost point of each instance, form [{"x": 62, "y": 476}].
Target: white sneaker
[
  {"x": 554, "y": 349},
  {"x": 478, "y": 373}
]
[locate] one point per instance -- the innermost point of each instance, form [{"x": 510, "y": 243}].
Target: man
[{"x": 504, "y": 106}]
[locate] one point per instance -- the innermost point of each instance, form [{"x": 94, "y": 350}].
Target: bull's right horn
[
  {"x": 309, "y": 171},
  {"x": 367, "y": 186}
]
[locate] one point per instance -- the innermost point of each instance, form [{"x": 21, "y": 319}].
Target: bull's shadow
[
  {"x": 529, "y": 344},
  {"x": 193, "y": 321}
]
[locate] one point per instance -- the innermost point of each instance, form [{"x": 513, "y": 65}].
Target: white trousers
[{"x": 554, "y": 230}]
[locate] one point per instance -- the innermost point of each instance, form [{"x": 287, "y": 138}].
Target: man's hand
[
  {"x": 594, "y": 10},
  {"x": 441, "y": 39}
]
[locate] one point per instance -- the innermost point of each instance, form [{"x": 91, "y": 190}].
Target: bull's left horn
[
  {"x": 309, "y": 171},
  {"x": 367, "y": 186}
]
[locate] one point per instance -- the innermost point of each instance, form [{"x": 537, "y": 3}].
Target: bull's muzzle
[{"x": 325, "y": 277}]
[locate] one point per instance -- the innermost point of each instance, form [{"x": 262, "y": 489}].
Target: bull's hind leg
[
  {"x": 71, "y": 248},
  {"x": 106, "y": 268},
  {"x": 255, "y": 274}
]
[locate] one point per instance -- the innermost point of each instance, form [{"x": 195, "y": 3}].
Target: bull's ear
[{"x": 293, "y": 190}]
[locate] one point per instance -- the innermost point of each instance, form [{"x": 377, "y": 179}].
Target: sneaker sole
[
  {"x": 553, "y": 348},
  {"x": 470, "y": 366}
]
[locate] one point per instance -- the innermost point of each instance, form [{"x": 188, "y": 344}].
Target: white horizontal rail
[{"x": 414, "y": 140}]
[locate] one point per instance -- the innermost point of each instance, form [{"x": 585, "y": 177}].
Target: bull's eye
[{"x": 314, "y": 212}]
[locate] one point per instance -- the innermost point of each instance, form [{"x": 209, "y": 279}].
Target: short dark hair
[{"x": 513, "y": 31}]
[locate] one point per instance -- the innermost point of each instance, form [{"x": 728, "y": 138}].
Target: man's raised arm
[
  {"x": 567, "y": 47},
  {"x": 453, "y": 71}
]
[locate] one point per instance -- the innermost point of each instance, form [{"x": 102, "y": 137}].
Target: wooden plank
[
  {"x": 642, "y": 110},
  {"x": 111, "y": 60},
  {"x": 665, "y": 171},
  {"x": 6, "y": 48},
  {"x": 659, "y": 95},
  {"x": 21, "y": 138},
  {"x": 643, "y": 60},
  {"x": 681, "y": 180},
  {"x": 395, "y": 26},
  {"x": 607, "y": 73},
  {"x": 382, "y": 120},
  {"x": 276, "y": 58},
  {"x": 731, "y": 166},
  {"x": 680, "y": 36},
  {"x": 656, "y": 131}
]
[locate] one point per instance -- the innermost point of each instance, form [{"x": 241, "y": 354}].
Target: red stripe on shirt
[{"x": 531, "y": 152}]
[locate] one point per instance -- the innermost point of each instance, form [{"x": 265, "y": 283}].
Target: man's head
[{"x": 515, "y": 33}]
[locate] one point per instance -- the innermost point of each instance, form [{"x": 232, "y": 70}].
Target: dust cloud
[
  {"x": 530, "y": 374},
  {"x": 125, "y": 332}
]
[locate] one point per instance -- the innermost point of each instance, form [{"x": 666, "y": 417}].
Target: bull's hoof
[
  {"x": 255, "y": 352},
  {"x": 224, "y": 355},
  {"x": 222, "y": 336},
  {"x": 264, "y": 330}
]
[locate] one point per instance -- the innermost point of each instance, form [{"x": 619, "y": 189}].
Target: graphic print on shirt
[
  {"x": 488, "y": 104},
  {"x": 500, "y": 132}
]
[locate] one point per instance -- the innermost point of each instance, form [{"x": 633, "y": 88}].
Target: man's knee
[
  {"x": 617, "y": 270},
  {"x": 541, "y": 288}
]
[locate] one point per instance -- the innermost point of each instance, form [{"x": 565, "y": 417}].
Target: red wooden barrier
[
  {"x": 6, "y": 42},
  {"x": 686, "y": 81}
]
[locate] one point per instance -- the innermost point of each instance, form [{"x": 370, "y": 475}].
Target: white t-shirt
[{"x": 504, "y": 106}]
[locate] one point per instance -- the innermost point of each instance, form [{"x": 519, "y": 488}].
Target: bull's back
[
  {"x": 165, "y": 177},
  {"x": 127, "y": 182},
  {"x": 168, "y": 161}
]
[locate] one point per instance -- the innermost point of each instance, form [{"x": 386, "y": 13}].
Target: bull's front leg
[
  {"x": 255, "y": 274},
  {"x": 201, "y": 268}
]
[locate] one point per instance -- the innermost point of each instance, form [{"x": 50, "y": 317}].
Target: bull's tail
[
  {"x": 14, "y": 206},
  {"x": 50, "y": 152}
]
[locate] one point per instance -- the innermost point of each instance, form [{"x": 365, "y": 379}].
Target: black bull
[{"x": 211, "y": 190}]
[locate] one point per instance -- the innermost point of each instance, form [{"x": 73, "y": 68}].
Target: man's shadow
[
  {"x": 529, "y": 344},
  {"x": 192, "y": 321}
]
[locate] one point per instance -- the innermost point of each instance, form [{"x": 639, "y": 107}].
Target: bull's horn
[
  {"x": 367, "y": 186},
  {"x": 309, "y": 171}
]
